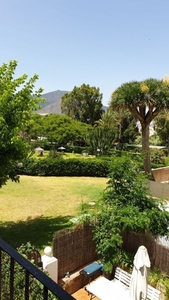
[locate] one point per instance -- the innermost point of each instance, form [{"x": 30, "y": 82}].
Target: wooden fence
[
  {"x": 159, "y": 254},
  {"x": 75, "y": 248}
]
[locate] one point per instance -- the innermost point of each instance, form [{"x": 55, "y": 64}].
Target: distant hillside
[{"x": 52, "y": 104}]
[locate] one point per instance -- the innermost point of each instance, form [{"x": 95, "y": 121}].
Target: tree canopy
[
  {"x": 145, "y": 100},
  {"x": 84, "y": 104},
  {"x": 56, "y": 128},
  {"x": 17, "y": 101}
]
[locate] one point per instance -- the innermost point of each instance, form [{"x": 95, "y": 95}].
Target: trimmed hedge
[{"x": 65, "y": 167}]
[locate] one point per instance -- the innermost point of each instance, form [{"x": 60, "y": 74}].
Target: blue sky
[{"x": 100, "y": 43}]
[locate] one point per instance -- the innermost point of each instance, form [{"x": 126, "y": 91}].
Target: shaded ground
[{"x": 38, "y": 231}]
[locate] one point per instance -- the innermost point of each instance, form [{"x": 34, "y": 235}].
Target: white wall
[{"x": 158, "y": 189}]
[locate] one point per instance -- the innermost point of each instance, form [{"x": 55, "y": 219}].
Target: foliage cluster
[
  {"x": 55, "y": 130},
  {"x": 100, "y": 139},
  {"x": 84, "y": 104},
  {"x": 122, "y": 123},
  {"x": 17, "y": 101},
  {"x": 157, "y": 157},
  {"x": 65, "y": 167},
  {"x": 167, "y": 161},
  {"x": 126, "y": 206},
  {"x": 159, "y": 279},
  {"x": 55, "y": 164},
  {"x": 155, "y": 140},
  {"x": 52, "y": 131},
  {"x": 162, "y": 128}
]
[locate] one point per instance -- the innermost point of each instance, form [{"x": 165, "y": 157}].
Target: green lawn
[{"x": 35, "y": 208}]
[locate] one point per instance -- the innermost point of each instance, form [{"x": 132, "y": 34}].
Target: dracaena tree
[
  {"x": 17, "y": 102},
  {"x": 145, "y": 100}
]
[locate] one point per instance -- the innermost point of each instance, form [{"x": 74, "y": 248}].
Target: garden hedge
[{"x": 65, "y": 167}]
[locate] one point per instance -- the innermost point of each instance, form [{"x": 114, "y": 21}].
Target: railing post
[
  {"x": 45, "y": 293},
  {"x": 31, "y": 272},
  {"x": 12, "y": 279},
  {"x": 26, "y": 285}
]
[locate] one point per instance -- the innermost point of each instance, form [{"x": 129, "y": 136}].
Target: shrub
[
  {"x": 125, "y": 206},
  {"x": 65, "y": 167},
  {"x": 157, "y": 156},
  {"x": 167, "y": 161}
]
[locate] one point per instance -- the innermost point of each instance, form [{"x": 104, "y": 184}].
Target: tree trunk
[{"x": 145, "y": 147}]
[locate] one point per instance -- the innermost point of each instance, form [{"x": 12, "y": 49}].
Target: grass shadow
[{"x": 38, "y": 231}]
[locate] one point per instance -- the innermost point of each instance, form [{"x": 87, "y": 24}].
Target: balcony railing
[{"x": 21, "y": 280}]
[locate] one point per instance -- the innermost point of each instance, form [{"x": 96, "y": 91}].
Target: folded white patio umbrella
[{"x": 139, "y": 277}]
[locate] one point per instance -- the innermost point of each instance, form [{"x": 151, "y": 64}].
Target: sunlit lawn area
[{"x": 35, "y": 208}]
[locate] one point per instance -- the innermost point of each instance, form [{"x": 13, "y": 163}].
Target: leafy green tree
[
  {"x": 35, "y": 128},
  {"x": 84, "y": 104},
  {"x": 145, "y": 100},
  {"x": 17, "y": 101},
  {"x": 62, "y": 129},
  {"x": 58, "y": 129},
  {"x": 126, "y": 206}
]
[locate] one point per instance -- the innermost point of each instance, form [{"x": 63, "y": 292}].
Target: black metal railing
[{"x": 20, "y": 279}]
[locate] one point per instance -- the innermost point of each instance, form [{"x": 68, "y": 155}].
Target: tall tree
[
  {"x": 17, "y": 101},
  {"x": 84, "y": 104},
  {"x": 145, "y": 100}
]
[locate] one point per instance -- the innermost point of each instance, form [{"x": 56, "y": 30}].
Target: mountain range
[{"x": 52, "y": 105}]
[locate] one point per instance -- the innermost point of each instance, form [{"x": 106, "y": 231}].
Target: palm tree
[{"x": 144, "y": 100}]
